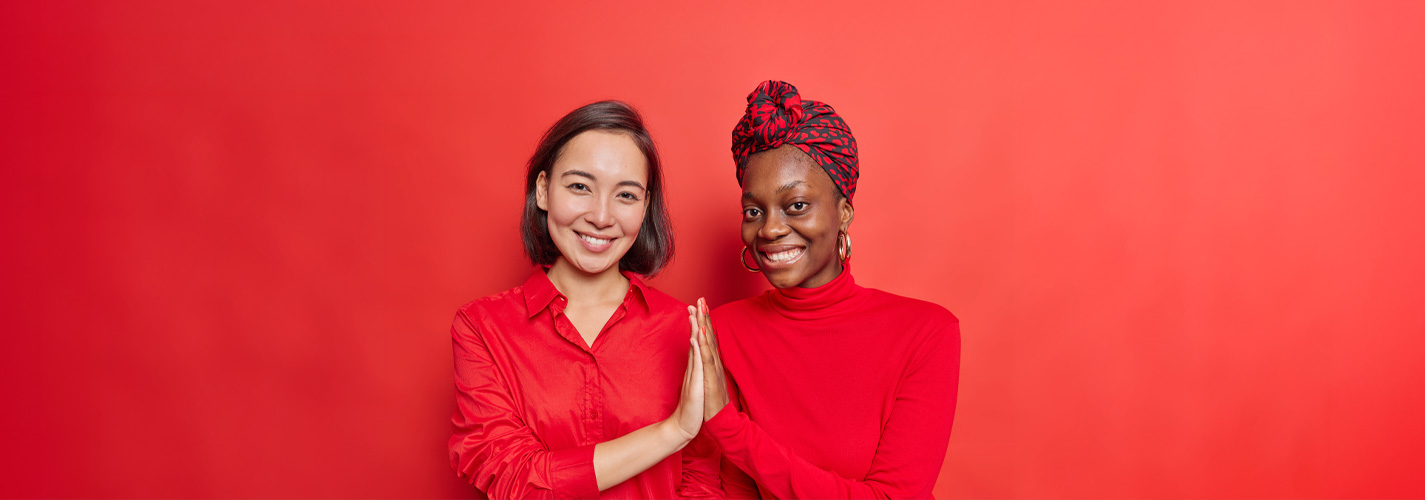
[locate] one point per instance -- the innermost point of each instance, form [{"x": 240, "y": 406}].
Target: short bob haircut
[{"x": 653, "y": 248}]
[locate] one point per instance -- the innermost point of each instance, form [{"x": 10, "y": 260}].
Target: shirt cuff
[
  {"x": 572, "y": 473},
  {"x": 725, "y": 425}
]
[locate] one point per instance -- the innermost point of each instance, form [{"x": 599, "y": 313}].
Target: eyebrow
[
  {"x": 789, "y": 185},
  {"x": 591, "y": 177}
]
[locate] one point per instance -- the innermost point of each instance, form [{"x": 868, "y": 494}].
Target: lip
[
  {"x": 592, "y": 247},
  {"x": 768, "y": 264}
]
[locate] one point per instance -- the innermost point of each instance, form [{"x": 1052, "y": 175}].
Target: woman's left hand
[{"x": 714, "y": 381}]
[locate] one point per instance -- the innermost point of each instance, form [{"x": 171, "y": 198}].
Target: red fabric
[
  {"x": 777, "y": 115},
  {"x": 839, "y": 392},
  {"x": 533, "y": 399}
]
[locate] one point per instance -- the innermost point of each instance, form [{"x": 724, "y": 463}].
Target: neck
[
  {"x": 584, "y": 287},
  {"x": 828, "y": 273}
]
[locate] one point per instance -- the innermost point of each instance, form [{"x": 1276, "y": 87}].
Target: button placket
[{"x": 594, "y": 394}]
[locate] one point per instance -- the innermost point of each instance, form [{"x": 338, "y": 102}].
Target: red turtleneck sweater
[{"x": 836, "y": 392}]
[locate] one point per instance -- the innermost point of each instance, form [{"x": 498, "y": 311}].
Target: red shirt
[
  {"x": 532, "y": 399},
  {"x": 837, "y": 392}
]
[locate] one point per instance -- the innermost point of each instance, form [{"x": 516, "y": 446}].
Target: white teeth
[
  {"x": 594, "y": 241},
  {"x": 784, "y": 256}
]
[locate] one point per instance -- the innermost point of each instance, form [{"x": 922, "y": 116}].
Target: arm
[
  {"x": 736, "y": 482},
  {"x": 619, "y": 459},
  {"x": 622, "y": 458},
  {"x": 701, "y": 477},
  {"x": 498, "y": 454},
  {"x": 491, "y": 447},
  {"x": 718, "y": 390},
  {"x": 912, "y": 444}
]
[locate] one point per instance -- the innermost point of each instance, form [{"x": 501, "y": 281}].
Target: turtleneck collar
[{"x": 839, "y": 296}]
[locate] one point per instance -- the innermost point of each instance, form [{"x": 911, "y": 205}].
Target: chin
[
  {"x": 601, "y": 262},
  {"x": 594, "y": 267},
  {"x": 785, "y": 278}
]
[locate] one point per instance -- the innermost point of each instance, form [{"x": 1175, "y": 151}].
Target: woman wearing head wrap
[
  {"x": 582, "y": 382},
  {"x": 820, "y": 388}
]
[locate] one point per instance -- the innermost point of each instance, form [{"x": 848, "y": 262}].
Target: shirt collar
[
  {"x": 640, "y": 290},
  {"x": 539, "y": 292},
  {"x": 839, "y": 296}
]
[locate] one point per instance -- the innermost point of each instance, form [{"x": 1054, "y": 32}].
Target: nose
[
  {"x": 773, "y": 226},
  {"x": 602, "y": 215}
]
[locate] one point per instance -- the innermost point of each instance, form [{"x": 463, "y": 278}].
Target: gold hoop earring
[
  {"x": 845, "y": 251},
  {"x": 743, "y": 257}
]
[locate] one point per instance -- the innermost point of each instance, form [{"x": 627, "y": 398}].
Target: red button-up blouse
[{"x": 532, "y": 399}]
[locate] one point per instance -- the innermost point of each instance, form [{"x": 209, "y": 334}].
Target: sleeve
[
  {"x": 735, "y": 483},
  {"x": 908, "y": 457},
  {"x": 701, "y": 477},
  {"x": 491, "y": 447}
]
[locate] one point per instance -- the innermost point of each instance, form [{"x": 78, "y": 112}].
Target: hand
[
  {"x": 687, "y": 418},
  {"x": 714, "y": 381}
]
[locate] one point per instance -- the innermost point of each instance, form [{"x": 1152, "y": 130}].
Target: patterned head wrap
[{"x": 776, "y": 115}]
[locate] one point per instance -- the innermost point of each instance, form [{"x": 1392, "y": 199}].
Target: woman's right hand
[{"x": 687, "y": 418}]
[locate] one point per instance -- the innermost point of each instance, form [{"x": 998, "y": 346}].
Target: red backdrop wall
[{"x": 1183, "y": 239}]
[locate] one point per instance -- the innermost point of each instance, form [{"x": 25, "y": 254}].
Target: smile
[
  {"x": 782, "y": 258},
  {"x": 594, "y": 241},
  {"x": 595, "y": 244}
]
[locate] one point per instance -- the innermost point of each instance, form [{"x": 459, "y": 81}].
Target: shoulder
[
  {"x": 499, "y": 301},
  {"x": 743, "y": 308},
  {"x": 925, "y": 322},
  {"x": 482, "y": 313},
  {"x": 932, "y": 331},
  {"x": 662, "y": 303},
  {"x": 911, "y": 308},
  {"x": 749, "y": 313}
]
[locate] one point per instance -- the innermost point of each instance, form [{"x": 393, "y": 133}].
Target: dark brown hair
[{"x": 653, "y": 248}]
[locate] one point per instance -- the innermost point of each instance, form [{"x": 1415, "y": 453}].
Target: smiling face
[
  {"x": 596, "y": 197},
  {"x": 791, "y": 214}
]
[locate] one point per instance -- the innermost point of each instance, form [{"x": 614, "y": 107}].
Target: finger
[
  {"x": 709, "y": 339},
  {"x": 693, "y": 321},
  {"x": 704, "y": 316},
  {"x": 705, "y": 322},
  {"x": 697, "y": 368},
  {"x": 693, "y": 325},
  {"x": 706, "y": 350},
  {"x": 713, "y": 352}
]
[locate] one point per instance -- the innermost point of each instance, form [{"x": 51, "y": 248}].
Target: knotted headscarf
[{"x": 777, "y": 115}]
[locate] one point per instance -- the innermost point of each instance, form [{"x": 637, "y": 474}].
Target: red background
[{"x": 1183, "y": 239}]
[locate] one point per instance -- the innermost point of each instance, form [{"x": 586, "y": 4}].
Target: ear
[
  {"x": 848, "y": 213},
  {"x": 541, "y": 192}
]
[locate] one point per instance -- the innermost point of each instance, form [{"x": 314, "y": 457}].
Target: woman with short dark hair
[
  {"x": 582, "y": 380},
  {"x": 820, "y": 388}
]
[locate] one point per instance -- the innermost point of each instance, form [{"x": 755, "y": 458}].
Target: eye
[
  {"x": 751, "y": 213},
  {"x": 628, "y": 196},
  {"x": 579, "y": 186},
  {"x": 799, "y": 206}
]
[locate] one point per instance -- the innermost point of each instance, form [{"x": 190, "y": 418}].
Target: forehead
[
  {"x": 770, "y": 170},
  {"x": 604, "y": 154}
]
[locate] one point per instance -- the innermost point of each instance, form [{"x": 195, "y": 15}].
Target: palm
[
  {"x": 689, "y": 414},
  {"x": 714, "y": 381}
]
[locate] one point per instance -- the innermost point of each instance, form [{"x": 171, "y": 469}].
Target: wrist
[
  {"x": 714, "y": 408},
  {"x": 672, "y": 433}
]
